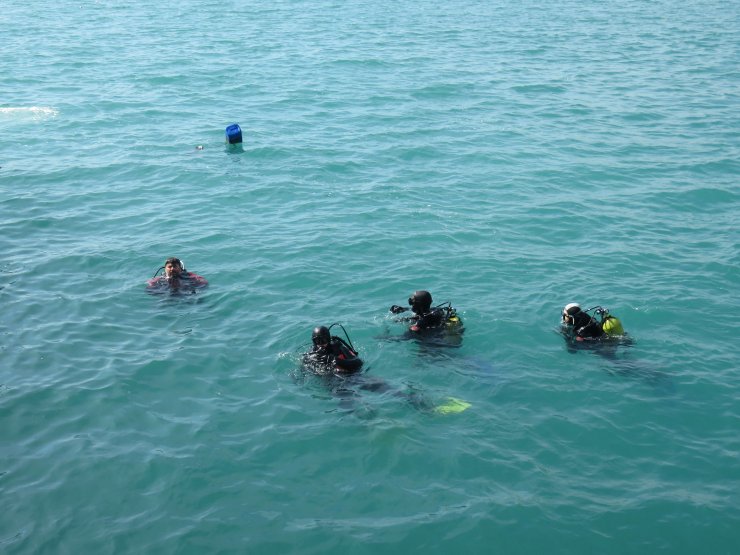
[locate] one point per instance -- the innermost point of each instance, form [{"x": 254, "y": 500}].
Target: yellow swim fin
[{"x": 452, "y": 406}]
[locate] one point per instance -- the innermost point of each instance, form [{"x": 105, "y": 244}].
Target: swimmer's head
[
  {"x": 420, "y": 302},
  {"x": 570, "y": 310},
  {"x": 173, "y": 267},
  {"x": 321, "y": 336}
]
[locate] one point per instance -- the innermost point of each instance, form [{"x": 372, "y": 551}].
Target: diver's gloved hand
[{"x": 395, "y": 309}]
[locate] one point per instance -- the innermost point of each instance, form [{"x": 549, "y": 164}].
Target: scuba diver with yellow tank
[
  {"x": 427, "y": 318},
  {"x": 603, "y": 334},
  {"x": 581, "y": 325}
]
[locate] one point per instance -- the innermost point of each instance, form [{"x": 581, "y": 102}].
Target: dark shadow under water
[
  {"x": 350, "y": 389},
  {"x": 429, "y": 341},
  {"x": 615, "y": 352}
]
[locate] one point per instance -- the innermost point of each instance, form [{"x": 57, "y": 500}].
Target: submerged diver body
[
  {"x": 604, "y": 336},
  {"x": 175, "y": 279},
  {"x": 335, "y": 361}
]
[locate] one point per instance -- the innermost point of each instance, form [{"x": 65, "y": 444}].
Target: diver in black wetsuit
[
  {"x": 579, "y": 325},
  {"x": 426, "y": 317},
  {"x": 331, "y": 354},
  {"x": 335, "y": 361},
  {"x": 604, "y": 336}
]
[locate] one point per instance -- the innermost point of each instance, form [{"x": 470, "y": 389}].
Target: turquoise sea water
[{"x": 508, "y": 157}]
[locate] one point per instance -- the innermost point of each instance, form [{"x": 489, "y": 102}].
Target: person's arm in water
[
  {"x": 156, "y": 284},
  {"x": 321, "y": 356},
  {"x": 195, "y": 279},
  {"x": 396, "y": 309},
  {"x": 429, "y": 320}
]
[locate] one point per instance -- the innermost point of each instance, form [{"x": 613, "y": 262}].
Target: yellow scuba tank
[
  {"x": 452, "y": 319},
  {"x": 612, "y": 325}
]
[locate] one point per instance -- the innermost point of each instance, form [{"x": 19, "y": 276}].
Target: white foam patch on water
[{"x": 35, "y": 113}]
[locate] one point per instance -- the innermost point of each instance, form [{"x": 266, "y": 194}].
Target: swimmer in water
[
  {"x": 331, "y": 354},
  {"x": 335, "y": 361},
  {"x": 427, "y": 318},
  {"x": 580, "y": 325},
  {"x": 175, "y": 279}
]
